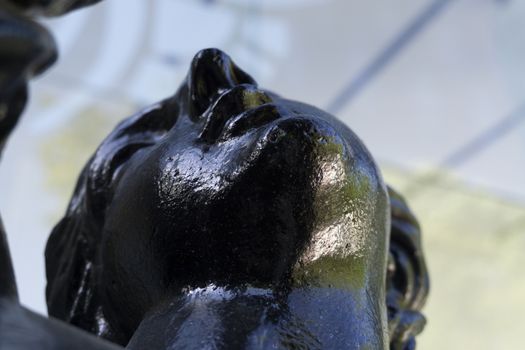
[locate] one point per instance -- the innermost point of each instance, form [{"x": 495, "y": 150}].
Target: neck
[{"x": 252, "y": 318}]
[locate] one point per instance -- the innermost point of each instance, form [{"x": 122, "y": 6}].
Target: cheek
[{"x": 131, "y": 282}]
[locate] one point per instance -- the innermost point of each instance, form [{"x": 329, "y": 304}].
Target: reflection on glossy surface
[{"x": 227, "y": 216}]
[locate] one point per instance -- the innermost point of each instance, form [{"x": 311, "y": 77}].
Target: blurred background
[{"x": 434, "y": 88}]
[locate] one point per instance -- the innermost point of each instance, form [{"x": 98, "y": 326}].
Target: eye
[
  {"x": 123, "y": 154},
  {"x": 134, "y": 134},
  {"x": 158, "y": 118}
]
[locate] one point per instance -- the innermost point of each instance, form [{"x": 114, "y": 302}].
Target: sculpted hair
[
  {"x": 72, "y": 253},
  {"x": 408, "y": 281}
]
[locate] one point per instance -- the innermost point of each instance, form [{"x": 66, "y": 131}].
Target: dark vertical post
[{"x": 26, "y": 49}]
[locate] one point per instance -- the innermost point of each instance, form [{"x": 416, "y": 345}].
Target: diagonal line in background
[
  {"x": 486, "y": 138},
  {"x": 419, "y": 23},
  {"x": 469, "y": 150}
]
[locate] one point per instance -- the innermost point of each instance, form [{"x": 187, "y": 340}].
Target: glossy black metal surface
[
  {"x": 229, "y": 217},
  {"x": 224, "y": 217}
]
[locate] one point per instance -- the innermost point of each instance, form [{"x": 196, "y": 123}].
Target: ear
[{"x": 407, "y": 276}]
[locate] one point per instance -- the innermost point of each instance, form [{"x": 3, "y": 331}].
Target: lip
[
  {"x": 235, "y": 111},
  {"x": 250, "y": 119}
]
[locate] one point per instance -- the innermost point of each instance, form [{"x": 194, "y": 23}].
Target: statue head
[{"x": 230, "y": 185}]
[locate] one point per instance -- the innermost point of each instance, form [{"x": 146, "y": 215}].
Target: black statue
[{"x": 223, "y": 217}]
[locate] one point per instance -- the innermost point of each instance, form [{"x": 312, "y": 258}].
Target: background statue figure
[{"x": 27, "y": 49}]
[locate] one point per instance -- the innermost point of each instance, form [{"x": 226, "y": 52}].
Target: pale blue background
[{"x": 446, "y": 99}]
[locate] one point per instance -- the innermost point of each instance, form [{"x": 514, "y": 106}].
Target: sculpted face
[{"x": 229, "y": 187}]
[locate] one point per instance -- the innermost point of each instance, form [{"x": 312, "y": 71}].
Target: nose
[{"x": 211, "y": 73}]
